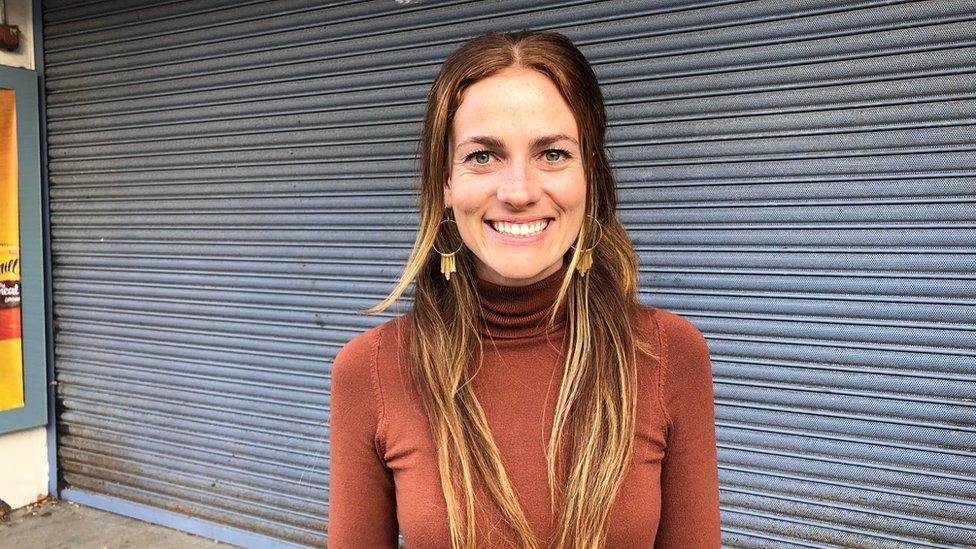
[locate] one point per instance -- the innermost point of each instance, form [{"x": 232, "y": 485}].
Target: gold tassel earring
[
  {"x": 448, "y": 265},
  {"x": 585, "y": 261},
  {"x": 586, "y": 256},
  {"x": 448, "y": 261}
]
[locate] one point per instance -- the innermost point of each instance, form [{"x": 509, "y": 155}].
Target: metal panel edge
[{"x": 53, "y": 488}]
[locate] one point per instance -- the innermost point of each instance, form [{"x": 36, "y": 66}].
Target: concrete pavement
[{"x": 54, "y": 524}]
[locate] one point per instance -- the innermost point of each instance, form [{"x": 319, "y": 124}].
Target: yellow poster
[{"x": 11, "y": 360}]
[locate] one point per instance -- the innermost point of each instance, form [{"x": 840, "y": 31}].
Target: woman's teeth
[{"x": 520, "y": 229}]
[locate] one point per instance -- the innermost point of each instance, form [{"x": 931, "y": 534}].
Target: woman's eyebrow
[
  {"x": 537, "y": 143},
  {"x": 484, "y": 140},
  {"x": 548, "y": 140}
]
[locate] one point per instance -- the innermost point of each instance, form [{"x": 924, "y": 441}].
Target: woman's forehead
[{"x": 513, "y": 104}]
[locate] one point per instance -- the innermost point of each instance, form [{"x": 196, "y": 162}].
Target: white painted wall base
[{"x": 23, "y": 466}]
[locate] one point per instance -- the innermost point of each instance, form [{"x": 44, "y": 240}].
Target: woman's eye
[
  {"x": 479, "y": 157},
  {"x": 555, "y": 155}
]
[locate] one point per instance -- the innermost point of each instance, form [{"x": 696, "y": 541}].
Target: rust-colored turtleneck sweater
[{"x": 384, "y": 478}]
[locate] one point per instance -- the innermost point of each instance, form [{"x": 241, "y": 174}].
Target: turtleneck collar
[{"x": 511, "y": 312}]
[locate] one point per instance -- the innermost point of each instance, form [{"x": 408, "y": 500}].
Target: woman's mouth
[{"x": 520, "y": 230}]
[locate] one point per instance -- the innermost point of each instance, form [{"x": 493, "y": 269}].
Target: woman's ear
[{"x": 447, "y": 193}]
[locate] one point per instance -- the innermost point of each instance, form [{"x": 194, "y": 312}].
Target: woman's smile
[{"x": 519, "y": 233}]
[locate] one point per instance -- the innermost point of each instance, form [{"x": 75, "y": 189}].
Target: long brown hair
[{"x": 591, "y": 444}]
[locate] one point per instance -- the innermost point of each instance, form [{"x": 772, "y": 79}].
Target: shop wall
[{"x": 24, "y": 474}]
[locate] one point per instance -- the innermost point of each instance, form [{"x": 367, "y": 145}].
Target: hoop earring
[
  {"x": 586, "y": 255},
  {"x": 448, "y": 263}
]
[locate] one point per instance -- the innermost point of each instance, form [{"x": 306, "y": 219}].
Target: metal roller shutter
[{"x": 231, "y": 180}]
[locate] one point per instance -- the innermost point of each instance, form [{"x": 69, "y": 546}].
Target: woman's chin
[{"x": 517, "y": 274}]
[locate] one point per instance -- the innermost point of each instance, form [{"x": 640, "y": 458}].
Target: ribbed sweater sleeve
[
  {"x": 362, "y": 498},
  {"x": 689, "y": 471}
]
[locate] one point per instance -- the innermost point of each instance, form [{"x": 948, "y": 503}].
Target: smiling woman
[{"x": 527, "y": 399}]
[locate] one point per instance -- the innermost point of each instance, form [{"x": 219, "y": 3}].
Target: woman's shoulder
[
  {"x": 671, "y": 332},
  {"x": 682, "y": 351},
  {"x": 366, "y": 348}
]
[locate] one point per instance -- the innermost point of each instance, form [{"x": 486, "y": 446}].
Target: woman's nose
[{"x": 519, "y": 188}]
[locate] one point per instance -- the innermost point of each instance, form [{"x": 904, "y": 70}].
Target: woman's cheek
[
  {"x": 473, "y": 193},
  {"x": 569, "y": 192}
]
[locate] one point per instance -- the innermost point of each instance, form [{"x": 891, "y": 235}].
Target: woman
[{"x": 527, "y": 399}]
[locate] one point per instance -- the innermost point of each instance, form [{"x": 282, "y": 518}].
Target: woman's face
[{"x": 516, "y": 182}]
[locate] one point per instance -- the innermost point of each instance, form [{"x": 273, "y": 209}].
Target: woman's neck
[{"x": 509, "y": 312}]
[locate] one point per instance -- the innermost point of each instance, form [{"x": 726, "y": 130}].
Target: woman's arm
[
  {"x": 689, "y": 472},
  {"x": 362, "y": 498}
]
